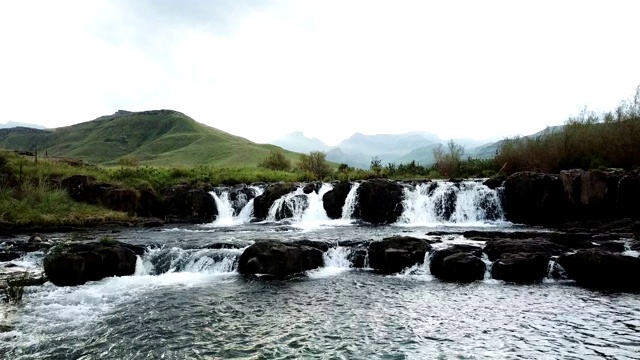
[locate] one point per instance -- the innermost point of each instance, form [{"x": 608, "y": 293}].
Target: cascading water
[
  {"x": 174, "y": 260},
  {"x": 301, "y": 208},
  {"x": 238, "y": 211},
  {"x": 350, "y": 202},
  {"x": 336, "y": 260},
  {"x": 466, "y": 202}
]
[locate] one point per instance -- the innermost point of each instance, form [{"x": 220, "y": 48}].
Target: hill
[
  {"x": 12, "y": 124},
  {"x": 159, "y": 138}
]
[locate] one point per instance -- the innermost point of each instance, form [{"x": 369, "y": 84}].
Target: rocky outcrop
[
  {"x": 602, "y": 269},
  {"x": 334, "y": 199},
  {"x": 75, "y": 264},
  {"x": 458, "y": 263},
  {"x": 193, "y": 204},
  {"x": 272, "y": 192},
  {"x": 496, "y": 248},
  {"x": 278, "y": 258},
  {"x": 394, "y": 254},
  {"x": 379, "y": 201},
  {"x": 521, "y": 267},
  {"x": 495, "y": 182},
  {"x": 534, "y": 198},
  {"x": 296, "y": 204}
]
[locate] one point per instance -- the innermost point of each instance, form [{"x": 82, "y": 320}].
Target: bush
[
  {"x": 315, "y": 163},
  {"x": 448, "y": 162},
  {"x": 128, "y": 160},
  {"x": 276, "y": 160}
]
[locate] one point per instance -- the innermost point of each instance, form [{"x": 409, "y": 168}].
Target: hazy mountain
[
  {"x": 11, "y": 124},
  {"x": 296, "y": 141},
  {"x": 376, "y": 145}
]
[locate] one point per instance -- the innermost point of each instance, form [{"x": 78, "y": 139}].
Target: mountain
[
  {"x": 12, "y": 124},
  {"x": 296, "y": 141},
  {"x": 376, "y": 145},
  {"x": 158, "y": 137}
]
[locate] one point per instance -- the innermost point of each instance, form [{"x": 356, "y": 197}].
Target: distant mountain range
[
  {"x": 12, "y": 124},
  {"x": 359, "y": 149}
]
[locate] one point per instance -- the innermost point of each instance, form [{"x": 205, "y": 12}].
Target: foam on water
[{"x": 336, "y": 261}]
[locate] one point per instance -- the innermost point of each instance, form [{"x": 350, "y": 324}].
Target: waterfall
[
  {"x": 175, "y": 260},
  {"x": 300, "y": 207},
  {"x": 336, "y": 261},
  {"x": 454, "y": 203},
  {"x": 238, "y": 211},
  {"x": 488, "y": 265},
  {"x": 350, "y": 202}
]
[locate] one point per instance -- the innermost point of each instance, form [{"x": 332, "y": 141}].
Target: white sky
[{"x": 262, "y": 69}]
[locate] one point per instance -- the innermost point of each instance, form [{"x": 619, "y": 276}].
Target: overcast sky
[{"x": 261, "y": 69}]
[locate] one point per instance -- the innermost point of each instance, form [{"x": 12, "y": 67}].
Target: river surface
[{"x": 186, "y": 301}]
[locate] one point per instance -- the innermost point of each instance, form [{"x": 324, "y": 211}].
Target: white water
[
  {"x": 350, "y": 202},
  {"x": 226, "y": 213},
  {"x": 466, "y": 204},
  {"x": 336, "y": 261},
  {"x": 420, "y": 271},
  {"x": 177, "y": 260}
]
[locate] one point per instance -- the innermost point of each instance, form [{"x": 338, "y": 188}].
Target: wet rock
[
  {"x": 436, "y": 264},
  {"x": 534, "y": 198},
  {"x": 273, "y": 192},
  {"x": 312, "y": 187},
  {"x": 461, "y": 267},
  {"x": 320, "y": 245},
  {"x": 153, "y": 223},
  {"x": 379, "y": 201},
  {"x": 495, "y": 182},
  {"x": 75, "y": 264},
  {"x": 521, "y": 267},
  {"x": 334, "y": 199},
  {"x": 279, "y": 259},
  {"x": 394, "y": 254},
  {"x": 295, "y": 205},
  {"x": 602, "y": 269},
  {"x": 591, "y": 194},
  {"x": 358, "y": 257},
  {"x": 187, "y": 202},
  {"x": 496, "y": 248},
  {"x": 9, "y": 255}
]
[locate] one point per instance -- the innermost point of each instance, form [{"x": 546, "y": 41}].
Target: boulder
[
  {"x": 334, "y": 199},
  {"x": 292, "y": 206},
  {"x": 9, "y": 255},
  {"x": 521, "y": 267},
  {"x": 495, "y": 182},
  {"x": 534, "y": 198},
  {"x": 75, "y": 264},
  {"x": 497, "y": 247},
  {"x": 462, "y": 267},
  {"x": 379, "y": 201},
  {"x": 312, "y": 187},
  {"x": 393, "y": 254},
  {"x": 194, "y": 204},
  {"x": 602, "y": 269},
  {"x": 436, "y": 264},
  {"x": 273, "y": 192},
  {"x": 591, "y": 194},
  {"x": 279, "y": 259}
]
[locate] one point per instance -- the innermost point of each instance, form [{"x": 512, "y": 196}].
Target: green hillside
[{"x": 158, "y": 138}]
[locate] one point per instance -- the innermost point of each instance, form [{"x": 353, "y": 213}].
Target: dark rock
[
  {"x": 602, "y": 269},
  {"x": 185, "y": 201},
  {"x": 591, "y": 194},
  {"x": 312, "y": 187},
  {"x": 436, "y": 264},
  {"x": 273, "y": 192},
  {"x": 496, "y": 248},
  {"x": 358, "y": 257},
  {"x": 379, "y": 201},
  {"x": 521, "y": 267},
  {"x": 276, "y": 258},
  {"x": 495, "y": 182},
  {"x": 320, "y": 245},
  {"x": 295, "y": 205},
  {"x": 396, "y": 253},
  {"x": 153, "y": 223},
  {"x": 629, "y": 196},
  {"x": 334, "y": 199},
  {"x": 9, "y": 255},
  {"x": 224, "y": 245},
  {"x": 461, "y": 267},
  {"x": 75, "y": 264},
  {"x": 535, "y": 199}
]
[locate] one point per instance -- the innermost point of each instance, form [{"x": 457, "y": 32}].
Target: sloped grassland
[{"x": 157, "y": 138}]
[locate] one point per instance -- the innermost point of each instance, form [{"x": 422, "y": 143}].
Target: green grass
[{"x": 155, "y": 138}]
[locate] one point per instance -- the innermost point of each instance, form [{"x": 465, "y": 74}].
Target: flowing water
[{"x": 186, "y": 299}]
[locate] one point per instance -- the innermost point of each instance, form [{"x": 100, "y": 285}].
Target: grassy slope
[{"x": 159, "y": 138}]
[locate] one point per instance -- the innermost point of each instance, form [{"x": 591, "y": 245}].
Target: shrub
[
  {"x": 448, "y": 162},
  {"x": 276, "y": 160},
  {"x": 315, "y": 163},
  {"x": 128, "y": 160}
]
